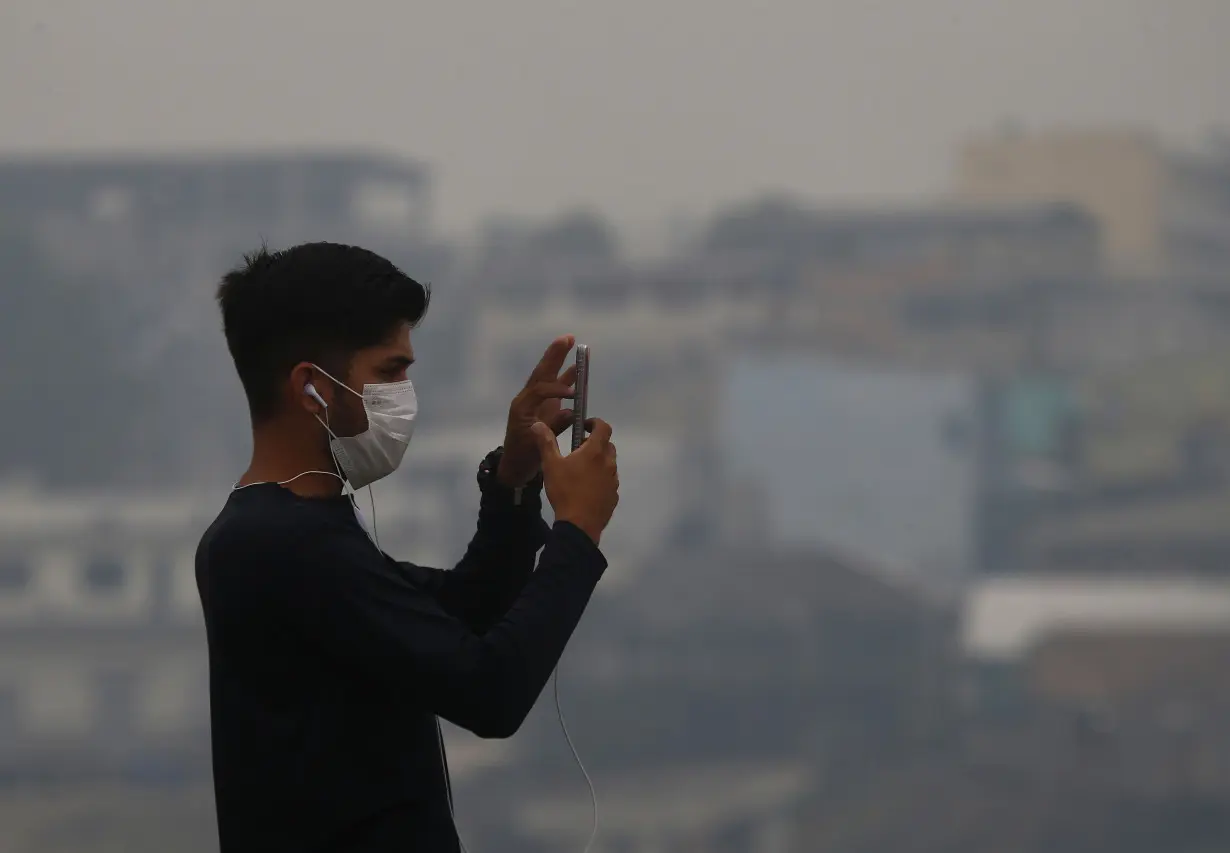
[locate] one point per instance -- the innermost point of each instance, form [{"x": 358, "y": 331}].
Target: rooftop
[{"x": 1006, "y": 618}]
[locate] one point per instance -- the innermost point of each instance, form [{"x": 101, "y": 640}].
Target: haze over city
[
  {"x": 645, "y": 110},
  {"x": 912, "y": 321}
]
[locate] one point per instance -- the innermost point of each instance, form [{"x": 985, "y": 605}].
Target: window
[
  {"x": 111, "y": 204},
  {"x": 601, "y": 291},
  {"x": 681, "y": 293},
  {"x": 182, "y": 600},
  {"x": 956, "y": 433},
  {"x": 933, "y": 313},
  {"x": 383, "y": 205},
  {"x": 104, "y": 574},
  {"x": 15, "y": 574},
  {"x": 10, "y": 721},
  {"x": 115, "y": 697}
]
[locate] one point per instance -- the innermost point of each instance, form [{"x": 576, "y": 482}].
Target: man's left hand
[{"x": 539, "y": 400}]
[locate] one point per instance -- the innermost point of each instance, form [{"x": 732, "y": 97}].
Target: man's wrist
[
  {"x": 493, "y": 480},
  {"x": 528, "y": 491},
  {"x": 591, "y": 531},
  {"x": 509, "y": 480}
]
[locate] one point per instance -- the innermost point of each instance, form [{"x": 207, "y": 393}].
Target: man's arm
[
  {"x": 499, "y": 559},
  {"x": 368, "y": 615}
]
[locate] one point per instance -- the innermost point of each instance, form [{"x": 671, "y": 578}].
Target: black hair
[{"x": 319, "y": 302}]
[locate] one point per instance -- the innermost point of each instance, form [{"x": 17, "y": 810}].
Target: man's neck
[{"x": 300, "y": 463}]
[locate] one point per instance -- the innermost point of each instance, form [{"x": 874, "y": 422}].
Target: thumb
[{"x": 547, "y": 445}]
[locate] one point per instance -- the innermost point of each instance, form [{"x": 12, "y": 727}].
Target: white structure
[
  {"x": 682, "y": 807},
  {"x": 1005, "y": 618},
  {"x": 102, "y": 648}
]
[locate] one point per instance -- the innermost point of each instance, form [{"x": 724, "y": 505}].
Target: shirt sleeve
[
  {"x": 368, "y": 614},
  {"x": 497, "y": 563}
]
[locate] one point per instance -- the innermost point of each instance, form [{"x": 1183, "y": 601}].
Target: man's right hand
[{"x": 583, "y": 487}]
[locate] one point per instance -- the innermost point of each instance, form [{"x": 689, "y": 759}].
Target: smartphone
[{"x": 581, "y": 397}]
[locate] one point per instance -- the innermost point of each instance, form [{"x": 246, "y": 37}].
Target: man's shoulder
[
  {"x": 259, "y": 514},
  {"x": 266, "y": 523},
  {"x": 269, "y": 556}
]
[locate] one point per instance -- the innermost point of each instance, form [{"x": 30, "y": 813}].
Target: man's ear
[{"x": 306, "y": 391}]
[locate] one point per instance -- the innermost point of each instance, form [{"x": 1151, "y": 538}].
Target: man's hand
[
  {"x": 583, "y": 487},
  {"x": 538, "y": 401}
]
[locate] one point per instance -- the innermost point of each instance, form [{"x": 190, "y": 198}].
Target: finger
[
  {"x": 543, "y": 391},
  {"x": 610, "y": 451},
  {"x": 553, "y": 359},
  {"x": 569, "y": 376},
  {"x": 547, "y": 447},
  {"x": 560, "y": 421},
  {"x": 599, "y": 434}
]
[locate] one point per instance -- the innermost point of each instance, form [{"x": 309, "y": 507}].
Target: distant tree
[
  {"x": 580, "y": 232},
  {"x": 774, "y": 223}
]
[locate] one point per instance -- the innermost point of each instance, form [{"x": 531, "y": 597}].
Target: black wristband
[{"x": 489, "y": 484}]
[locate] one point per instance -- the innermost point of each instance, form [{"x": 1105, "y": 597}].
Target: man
[{"x": 330, "y": 662}]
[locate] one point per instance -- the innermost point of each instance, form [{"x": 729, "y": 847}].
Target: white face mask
[{"x": 376, "y": 452}]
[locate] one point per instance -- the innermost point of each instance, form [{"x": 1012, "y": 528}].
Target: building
[
  {"x": 122, "y": 255},
  {"x": 709, "y": 702},
  {"x": 1008, "y": 619},
  {"x": 428, "y": 509},
  {"x": 102, "y": 664},
  {"x": 99, "y": 199},
  {"x": 878, "y": 464},
  {"x": 102, "y": 648},
  {"x": 655, "y": 333},
  {"x": 1109, "y": 468},
  {"x": 1160, "y": 211},
  {"x": 840, "y": 281},
  {"x": 1116, "y": 682},
  {"x": 158, "y": 229},
  {"x": 962, "y": 239},
  {"x": 103, "y": 667},
  {"x": 709, "y": 806}
]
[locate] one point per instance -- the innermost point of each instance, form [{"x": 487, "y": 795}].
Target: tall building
[
  {"x": 136, "y": 244},
  {"x": 1160, "y": 211},
  {"x": 228, "y": 193}
]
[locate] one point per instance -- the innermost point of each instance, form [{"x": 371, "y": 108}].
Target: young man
[{"x": 330, "y": 662}]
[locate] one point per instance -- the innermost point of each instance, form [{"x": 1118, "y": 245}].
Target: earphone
[{"x": 311, "y": 391}]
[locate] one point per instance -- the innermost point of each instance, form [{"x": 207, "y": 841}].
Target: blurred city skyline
[
  {"x": 913, "y": 321},
  {"x": 646, "y": 112}
]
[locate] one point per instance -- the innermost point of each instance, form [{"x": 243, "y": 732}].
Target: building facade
[{"x": 1160, "y": 211}]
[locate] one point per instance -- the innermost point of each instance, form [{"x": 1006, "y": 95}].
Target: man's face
[{"x": 386, "y": 362}]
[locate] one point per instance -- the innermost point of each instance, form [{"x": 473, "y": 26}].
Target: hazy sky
[{"x": 640, "y": 107}]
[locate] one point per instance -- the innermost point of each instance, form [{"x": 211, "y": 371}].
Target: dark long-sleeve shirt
[{"x": 329, "y": 662}]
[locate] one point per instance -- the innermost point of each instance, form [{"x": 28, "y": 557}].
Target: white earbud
[{"x": 311, "y": 391}]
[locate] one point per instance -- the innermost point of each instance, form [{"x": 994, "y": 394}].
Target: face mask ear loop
[
  {"x": 325, "y": 423},
  {"x": 337, "y": 382},
  {"x": 372, "y": 498},
  {"x": 337, "y": 466}
]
